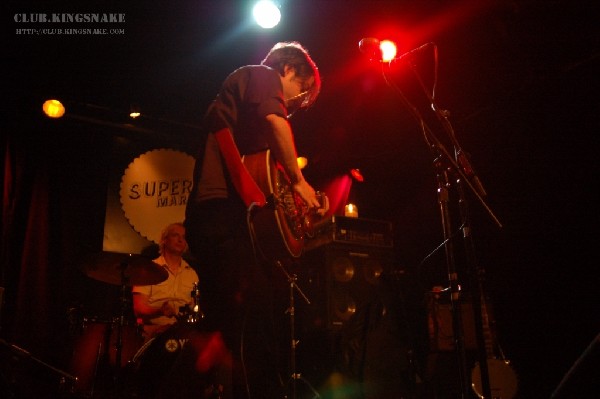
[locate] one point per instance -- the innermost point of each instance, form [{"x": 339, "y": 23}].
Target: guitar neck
[{"x": 487, "y": 331}]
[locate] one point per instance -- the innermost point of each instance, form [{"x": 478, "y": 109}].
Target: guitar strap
[{"x": 241, "y": 178}]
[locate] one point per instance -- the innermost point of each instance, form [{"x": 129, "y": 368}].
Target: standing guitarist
[{"x": 250, "y": 114}]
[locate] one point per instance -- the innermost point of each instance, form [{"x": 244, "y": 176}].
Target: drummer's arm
[{"x": 143, "y": 310}]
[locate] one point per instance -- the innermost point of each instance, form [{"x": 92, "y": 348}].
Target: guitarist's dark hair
[{"x": 294, "y": 55}]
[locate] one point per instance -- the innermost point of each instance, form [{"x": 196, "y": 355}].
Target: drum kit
[{"x": 110, "y": 355}]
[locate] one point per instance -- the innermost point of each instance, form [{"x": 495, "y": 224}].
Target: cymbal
[{"x": 124, "y": 269}]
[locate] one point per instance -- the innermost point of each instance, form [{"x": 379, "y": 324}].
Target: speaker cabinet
[{"x": 340, "y": 278}]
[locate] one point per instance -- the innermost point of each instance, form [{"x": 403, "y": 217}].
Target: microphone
[
  {"x": 367, "y": 44},
  {"x": 464, "y": 163},
  {"x": 370, "y": 46}
]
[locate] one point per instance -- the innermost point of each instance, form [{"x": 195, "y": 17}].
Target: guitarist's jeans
[{"x": 237, "y": 293}]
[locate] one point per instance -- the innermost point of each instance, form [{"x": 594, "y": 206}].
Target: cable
[
  {"x": 253, "y": 240},
  {"x": 429, "y": 255}
]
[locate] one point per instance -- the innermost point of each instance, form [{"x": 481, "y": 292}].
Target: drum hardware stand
[
  {"x": 197, "y": 313},
  {"x": 64, "y": 376},
  {"x": 103, "y": 359},
  {"x": 459, "y": 165},
  {"x": 294, "y": 375},
  {"x": 123, "y": 307},
  {"x": 116, "y": 373}
]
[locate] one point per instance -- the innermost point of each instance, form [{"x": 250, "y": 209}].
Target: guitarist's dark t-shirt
[
  {"x": 236, "y": 292},
  {"x": 247, "y": 96}
]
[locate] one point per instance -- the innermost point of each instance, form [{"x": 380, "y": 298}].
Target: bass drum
[
  {"x": 94, "y": 357},
  {"x": 183, "y": 361}
]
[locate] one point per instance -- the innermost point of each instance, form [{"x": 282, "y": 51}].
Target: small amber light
[
  {"x": 302, "y": 162},
  {"x": 350, "y": 210},
  {"x": 53, "y": 108},
  {"x": 134, "y": 111}
]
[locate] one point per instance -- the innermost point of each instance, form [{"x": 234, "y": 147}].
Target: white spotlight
[{"x": 266, "y": 14}]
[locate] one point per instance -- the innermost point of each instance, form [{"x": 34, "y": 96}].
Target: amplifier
[{"x": 350, "y": 230}]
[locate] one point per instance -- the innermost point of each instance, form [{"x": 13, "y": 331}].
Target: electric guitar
[
  {"x": 503, "y": 379},
  {"x": 281, "y": 227}
]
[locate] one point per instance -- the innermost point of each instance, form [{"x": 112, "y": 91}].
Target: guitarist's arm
[{"x": 281, "y": 143}]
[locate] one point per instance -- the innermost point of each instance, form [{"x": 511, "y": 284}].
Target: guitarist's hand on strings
[
  {"x": 309, "y": 195},
  {"x": 281, "y": 143}
]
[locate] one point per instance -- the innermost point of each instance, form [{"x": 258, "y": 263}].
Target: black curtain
[{"x": 53, "y": 202}]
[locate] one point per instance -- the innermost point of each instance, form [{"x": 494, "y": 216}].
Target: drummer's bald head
[{"x": 165, "y": 233}]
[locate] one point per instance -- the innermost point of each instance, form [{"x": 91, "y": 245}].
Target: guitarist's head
[{"x": 299, "y": 74}]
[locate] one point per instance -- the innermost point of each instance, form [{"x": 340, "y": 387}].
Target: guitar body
[
  {"x": 281, "y": 227},
  {"x": 503, "y": 379}
]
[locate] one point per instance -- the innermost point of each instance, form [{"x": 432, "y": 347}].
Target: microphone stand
[
  {"x": 294, "y": 375},
  {"x": 460, "y": 166},
  {"x": 467, "y": 174},
  {"x": 476, "y": 274}
]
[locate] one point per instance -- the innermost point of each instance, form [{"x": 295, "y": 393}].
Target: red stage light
[
  {"x": 355, "y": 173},
  {"x": 388, "y": 50}
]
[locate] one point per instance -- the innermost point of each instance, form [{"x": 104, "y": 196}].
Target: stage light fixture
[
  {"x": 357, "y": 175},
  {"x": 388, "y": 50},
  {"x": 53, "y": 109},
  {"x": 266, "y": 14}
]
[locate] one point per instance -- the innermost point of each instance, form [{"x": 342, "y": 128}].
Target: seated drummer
[{"x": 156, "y": 306}]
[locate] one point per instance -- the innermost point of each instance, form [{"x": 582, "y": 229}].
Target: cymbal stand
[
  {"x": 123, "y": 306},
  {"x": 115, "y": 372},
  {"x": 294, "y": 375}
]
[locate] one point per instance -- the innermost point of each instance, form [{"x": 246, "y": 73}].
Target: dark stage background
[{"x": 520, "y": 79}]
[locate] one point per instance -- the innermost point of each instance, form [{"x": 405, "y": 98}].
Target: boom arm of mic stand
[{"x": 466, "y": 180}]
